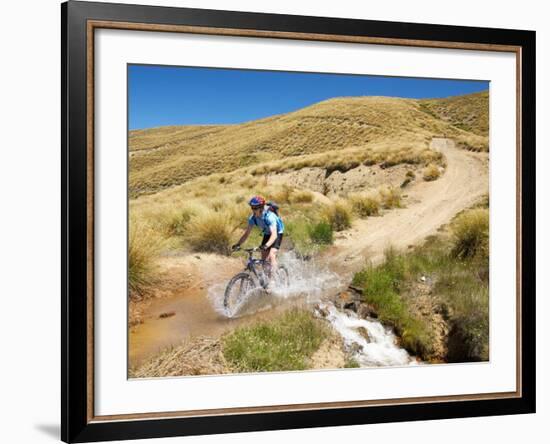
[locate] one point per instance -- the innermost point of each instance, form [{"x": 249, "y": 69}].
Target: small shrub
[
  {"x": 471, "y": 234},
  {"x": 238, "y": 216},
  {"x": 298, "y": 196},
  {"x": 364, "y": 205},
  {"x": 390, "y": 197},
  {"x": 431, "y": 172},
  {"x": 282, "y": 195},
  {"x": 210, "y": 232},
  {"x": 338, "y": 215},
  {"x": 321, "y": 233},
  {"x": 218, "y": 204},
  {"x": 351, "y": 363},
  {"x": 176, "y": 221},
  {"x": 410, "y": 174},
  {"x": 143, "y": 247}
]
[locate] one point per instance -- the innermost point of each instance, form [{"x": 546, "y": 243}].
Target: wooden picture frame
[{"x": 79, "y": 22}]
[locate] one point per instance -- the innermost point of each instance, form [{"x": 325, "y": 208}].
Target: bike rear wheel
[{"x": 237, "y": 287}]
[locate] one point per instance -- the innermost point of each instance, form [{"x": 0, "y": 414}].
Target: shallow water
[
  {"x": 201, "y": 312},
  {"x": 310, "y": 282},
  {"x": 369, "y": 342}
]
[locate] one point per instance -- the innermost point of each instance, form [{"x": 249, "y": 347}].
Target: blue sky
[{"x": 164, "y": 95}]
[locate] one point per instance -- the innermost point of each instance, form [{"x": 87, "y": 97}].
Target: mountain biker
[{"x": 267, "y": 220}]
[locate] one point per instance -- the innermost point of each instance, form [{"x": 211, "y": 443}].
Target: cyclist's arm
[
  {"x": 273, "y": 236},
  {"x": 245, "y": 235}
]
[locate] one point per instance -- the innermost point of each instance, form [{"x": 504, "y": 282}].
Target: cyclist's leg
[
  {"x": 272, "y": 255},
  {"x": 265, "y": 257},
  {"x": 272, "y": 260},
  {"x": 265, "y": 253}
]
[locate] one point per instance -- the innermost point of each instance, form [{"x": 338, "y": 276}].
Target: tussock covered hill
[
  {"x": 359, "y": 129},
  {"x": 469, "y": 112}
]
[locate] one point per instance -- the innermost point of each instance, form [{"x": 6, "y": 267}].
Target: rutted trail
[{"x": 429, "y": 205}]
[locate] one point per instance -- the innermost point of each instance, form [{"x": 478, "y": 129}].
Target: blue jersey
[{"x": 267, "y": 220}]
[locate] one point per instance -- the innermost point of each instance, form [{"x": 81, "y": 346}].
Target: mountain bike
[{"x": 252, "y": 277}]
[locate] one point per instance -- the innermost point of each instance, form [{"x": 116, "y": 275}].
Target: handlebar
[{"x": 248, "y": 250}]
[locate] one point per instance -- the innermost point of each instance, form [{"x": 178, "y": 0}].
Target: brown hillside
[
  {"x": 370, "y": 128},
  {"x": 469, "y": 112}
]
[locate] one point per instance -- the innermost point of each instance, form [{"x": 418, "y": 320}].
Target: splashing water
[
  {"x": 370, "y": 343},
  {"x": 309, "y": 282}
]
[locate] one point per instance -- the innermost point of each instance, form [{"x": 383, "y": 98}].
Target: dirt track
[{"x": 428, "y": 206}]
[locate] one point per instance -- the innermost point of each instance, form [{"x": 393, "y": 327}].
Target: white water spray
[
  {"x": 368, "y": 341},
  {"x": 309, "y": 282}
]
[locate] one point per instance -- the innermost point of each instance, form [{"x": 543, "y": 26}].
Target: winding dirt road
[{"x": 429, "y": 205}]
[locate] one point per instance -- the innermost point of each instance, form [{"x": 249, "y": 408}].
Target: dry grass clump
[
  {"x": 431, "y": 172},
  {"x": 211, "y": 232},
  {"x": 238, "y": 215},
  {"x": 301, "y": 196},
  {"x": 144, "y": 245},
  {"x": 339, "y": 215},
  {"x": 390, "y": 197},
  {"x": 282, "y": 195},
  {"x": 175, "y": 221},
  {"x": 471, "y": 234},
  {"x": 471, "y": 142},
  {"x": 197, "y": 356},
  {"x": 364, "y": 205}
]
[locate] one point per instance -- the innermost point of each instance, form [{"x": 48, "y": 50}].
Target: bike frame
[{"x": 251, "y": 266}]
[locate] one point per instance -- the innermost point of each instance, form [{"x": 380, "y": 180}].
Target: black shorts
[{"x": 276, "y": 244}]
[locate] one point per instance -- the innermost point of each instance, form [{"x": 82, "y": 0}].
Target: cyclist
[{"x": 266, "y": 219}]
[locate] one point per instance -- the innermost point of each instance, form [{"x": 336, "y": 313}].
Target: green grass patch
[
  {"x": 282, "y": 344},
  {"x": 459, "y": 290},
  {"x": 321, "y": 233},
  {"x": 382, "y": 288}
]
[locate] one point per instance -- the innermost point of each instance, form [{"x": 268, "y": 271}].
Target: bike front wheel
[
  {"x": 236, "y": 289},
  {"x": 282, "y": 277}
]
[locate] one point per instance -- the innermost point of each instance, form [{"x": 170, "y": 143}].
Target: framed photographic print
[{"x": 276, "y": 221}]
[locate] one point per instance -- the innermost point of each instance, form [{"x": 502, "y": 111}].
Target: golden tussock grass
[
  {"x": 211, "y": 232},
  {"x": 390, "y": 197},
  {"x": 471, "y": 234},
  {"x": 468, "y": 112},
  {"x": 144, "y": 244},
  {"x": 364, "y": 205},
  {"x": 431, "y": 172},
  {"x": 338, "y": 133},
  {"x": 338, "y": 215}
]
